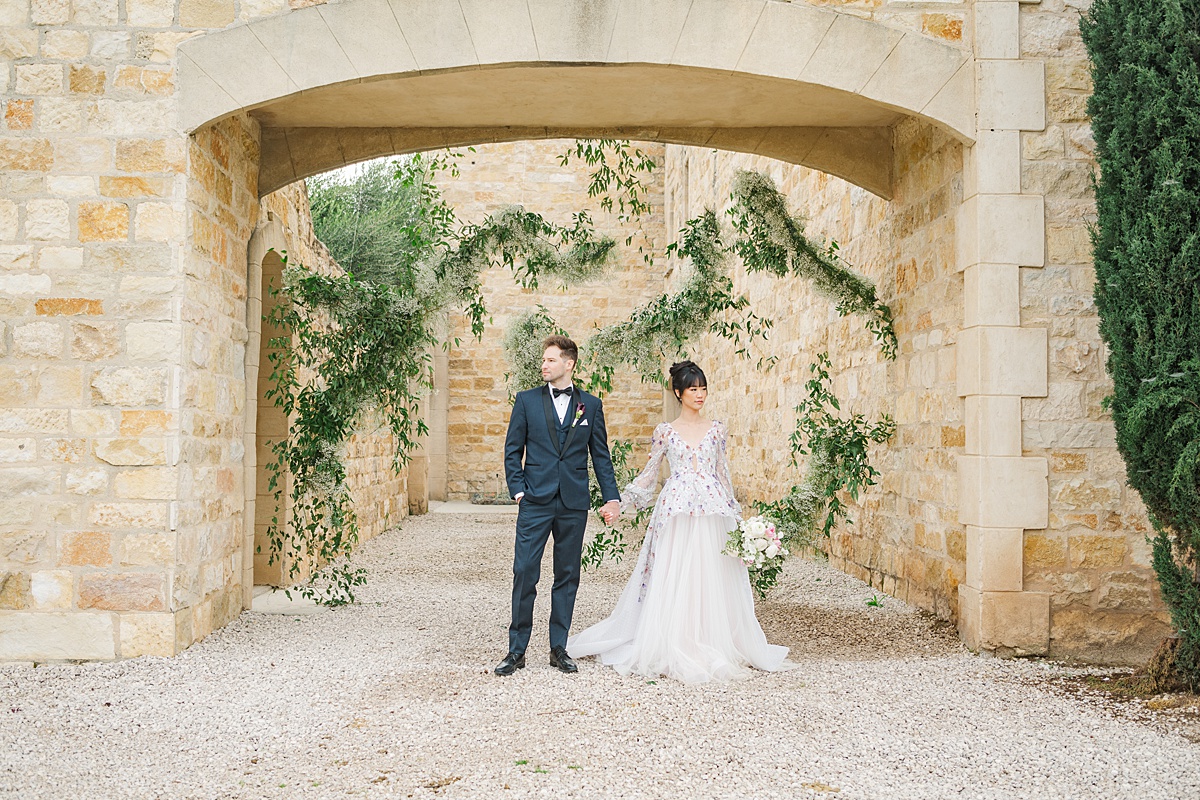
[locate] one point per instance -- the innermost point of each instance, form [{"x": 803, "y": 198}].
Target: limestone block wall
[
  {"x": 477, "y": 405},
  {"x": 906, "y": 539},
  {"x": 221, "y": 212},
  {"x": 1093, "y": 559}
]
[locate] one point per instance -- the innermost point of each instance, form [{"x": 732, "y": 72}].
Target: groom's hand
[{"x": 610, "y": 511}]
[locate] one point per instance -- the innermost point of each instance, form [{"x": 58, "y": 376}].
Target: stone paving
[{"x": 393, "y": 697}]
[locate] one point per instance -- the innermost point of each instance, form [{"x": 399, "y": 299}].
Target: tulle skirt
[{"x": 690, "y": 616}]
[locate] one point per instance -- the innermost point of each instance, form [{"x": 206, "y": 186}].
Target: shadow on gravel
[
  {"x": 822, "y": 633},
  {"x": 1121, "y": 693}
]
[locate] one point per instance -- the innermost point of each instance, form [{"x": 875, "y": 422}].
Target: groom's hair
[{"x": 569, "y": 349}]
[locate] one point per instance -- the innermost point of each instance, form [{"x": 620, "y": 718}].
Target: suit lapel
[{"x": 551, "y": 418}]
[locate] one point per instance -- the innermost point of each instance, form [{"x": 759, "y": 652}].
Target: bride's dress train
[{"x": 687, "y": 611}]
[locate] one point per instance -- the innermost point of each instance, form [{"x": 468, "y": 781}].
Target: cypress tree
[{"x": 1145, "y": 113}]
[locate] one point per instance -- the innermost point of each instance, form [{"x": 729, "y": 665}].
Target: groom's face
[{"x": 554, "y": 366}]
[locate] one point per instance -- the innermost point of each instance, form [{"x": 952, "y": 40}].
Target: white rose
[
  {"x": 760, "y": 544},
  {"x": 772, "y": 551}
]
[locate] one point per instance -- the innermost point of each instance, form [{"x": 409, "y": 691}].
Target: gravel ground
[{"x": 394, "y": 697}]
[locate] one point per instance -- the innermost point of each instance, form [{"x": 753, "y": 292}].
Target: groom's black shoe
[
  {"x": 511, "y": 663},
  {"x": 560, "y": 660}
]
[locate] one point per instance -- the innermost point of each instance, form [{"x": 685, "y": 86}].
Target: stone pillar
[
  {"x": 418, "y": 484},
  {"x": 1000, "y": 230},
  {"x": 437, "y": 445}
]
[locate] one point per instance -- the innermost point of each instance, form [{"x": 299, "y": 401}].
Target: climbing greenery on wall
[
  {"x": 768, "y": 239},
  {"x": 1146, "y": 117},
  {"x": 357, "y": 345}
]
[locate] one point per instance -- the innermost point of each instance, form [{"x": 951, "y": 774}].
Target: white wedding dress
[{"x": 688, "y": 610}]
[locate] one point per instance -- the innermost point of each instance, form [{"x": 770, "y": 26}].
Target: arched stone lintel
[
  {"x": 862, "y": 156},
  {"x": 254, "y": 65}
]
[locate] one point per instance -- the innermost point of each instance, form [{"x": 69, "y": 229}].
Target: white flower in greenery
[{"x": 771, "y": 551}]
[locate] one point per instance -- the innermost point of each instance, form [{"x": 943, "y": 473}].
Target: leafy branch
[
  {"x": 772, "y": 240},
  {"x": 356, "y": 344}
]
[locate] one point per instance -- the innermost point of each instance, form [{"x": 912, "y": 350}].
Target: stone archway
[
  {"x": 332, "y": 85},
  {"x": 803, "y": 84},
  {"x": 259, "y": 104}
]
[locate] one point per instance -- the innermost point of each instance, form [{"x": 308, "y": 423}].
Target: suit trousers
[{"x": 535, "y": 524}]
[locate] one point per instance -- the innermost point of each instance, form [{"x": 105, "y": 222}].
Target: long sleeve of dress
[
  {"x": 640, "y": 493},
  {"x": 723, "y": 473}
]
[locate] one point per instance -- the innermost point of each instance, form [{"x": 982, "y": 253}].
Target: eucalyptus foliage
[
  {"x": 770, "y": 239},
  {"x": 355, "y": 346},
  {"x": 523, "y": 348},
  {"x": 838, "y": 444},
  {"x": 662, "y": 327},
  {"x": 526, "y": 243},
  {"x": 609, "y": 541},
  {"x": 1146, "y": 118},
  {"x": 619, "y": 184}
]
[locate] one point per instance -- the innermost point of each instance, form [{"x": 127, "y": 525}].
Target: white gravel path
[{"x": 394, "y": 698}]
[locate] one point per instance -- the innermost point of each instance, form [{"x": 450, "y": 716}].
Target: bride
[{"x": 687, "y": 611}]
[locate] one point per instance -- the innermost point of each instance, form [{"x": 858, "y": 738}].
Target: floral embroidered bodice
[{"x": 699, "y": 484}]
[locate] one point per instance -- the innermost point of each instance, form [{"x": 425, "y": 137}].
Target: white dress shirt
[{"x": 562, "y": 402}]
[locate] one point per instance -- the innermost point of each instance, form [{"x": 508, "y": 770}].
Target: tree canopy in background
[{"x": 382, "y": 218}]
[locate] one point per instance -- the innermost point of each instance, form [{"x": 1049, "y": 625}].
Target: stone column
[
  {"x": 437, "y": 445},
  {"x": 1000, "y": 230}
]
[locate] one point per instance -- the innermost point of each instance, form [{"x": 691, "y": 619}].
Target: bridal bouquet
[{"x": 757, "y": 545}]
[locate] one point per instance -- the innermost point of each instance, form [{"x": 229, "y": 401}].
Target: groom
[{"x": 550, "y": 433}]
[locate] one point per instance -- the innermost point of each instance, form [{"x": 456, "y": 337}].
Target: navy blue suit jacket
[{"x": 536, "y": 465}]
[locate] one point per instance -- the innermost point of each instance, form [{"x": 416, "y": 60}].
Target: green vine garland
[
  {"x": 351, "y": 348},
  {"x": 772, "y": 240},
  {"x": 768, "y": 239}
]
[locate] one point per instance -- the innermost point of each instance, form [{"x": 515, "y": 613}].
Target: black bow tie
[{"x": 558, "y": 392}]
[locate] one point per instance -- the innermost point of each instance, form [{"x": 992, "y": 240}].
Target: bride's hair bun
[{"x": 685, "y": 375}]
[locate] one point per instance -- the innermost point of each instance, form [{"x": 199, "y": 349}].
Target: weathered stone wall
[
  {"x": 529, "y": 174},
  {"x": 207, "y": 380},
  {"x": 906, "y": 539},
  {"x": 1094, "y": 558}
]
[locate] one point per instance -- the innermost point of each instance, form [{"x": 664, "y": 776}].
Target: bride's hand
[{"x": 610, "y": 511}]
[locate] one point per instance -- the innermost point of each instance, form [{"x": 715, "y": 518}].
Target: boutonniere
[{"x": 578, "y": 415}]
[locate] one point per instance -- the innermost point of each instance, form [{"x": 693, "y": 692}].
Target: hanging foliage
[
  {"x": 771, "y": 240},
  {"x": 662, "y": 327},
  {"x": 523, "y": 349},
  {"x": 353, "y": 347}
]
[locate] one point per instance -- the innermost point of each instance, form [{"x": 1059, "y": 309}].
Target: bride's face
[{"x": 693, "y": 397}]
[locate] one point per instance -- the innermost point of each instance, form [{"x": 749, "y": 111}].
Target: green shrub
[{"x": 1146, "y": 117}]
